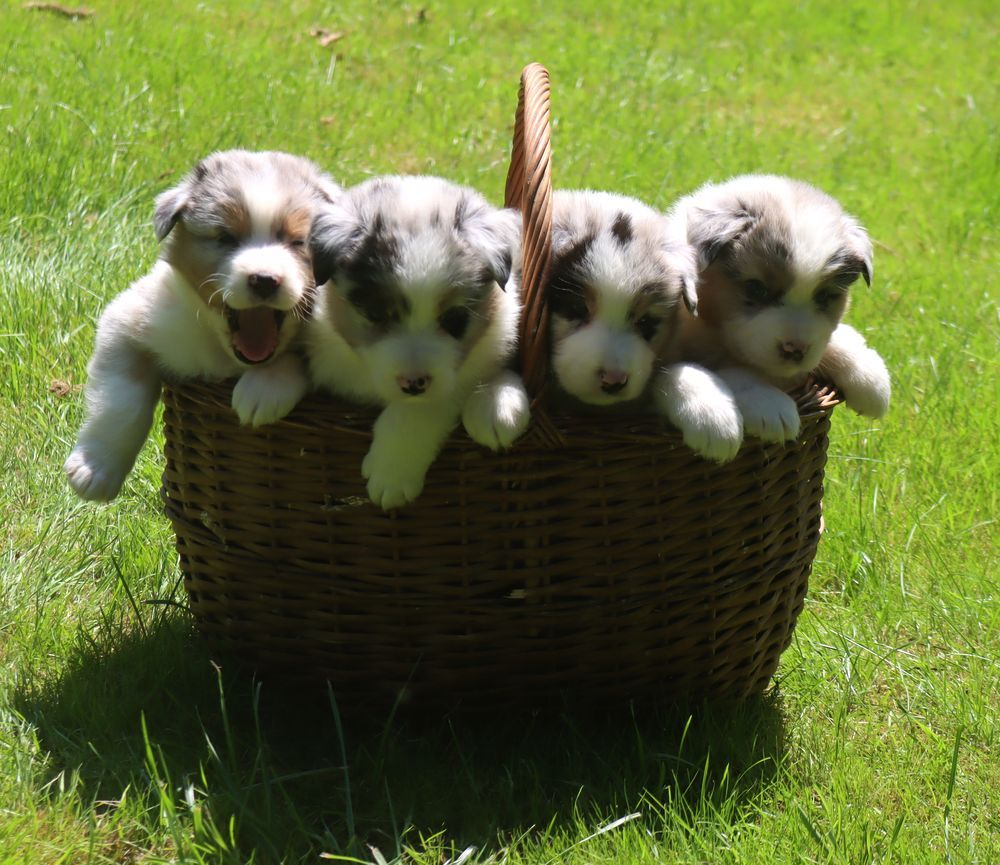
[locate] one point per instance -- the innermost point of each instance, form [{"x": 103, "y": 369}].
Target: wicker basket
[{"x": 600, "y": 559}]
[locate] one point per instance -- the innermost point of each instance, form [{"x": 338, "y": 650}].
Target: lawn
[{"x": 120, "y": 741}]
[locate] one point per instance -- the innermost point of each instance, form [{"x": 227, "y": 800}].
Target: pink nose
[
  {"x": 792, "y": 350},
  {"x": 413, "y": 385},
  {"x": 613, "y": 380}
]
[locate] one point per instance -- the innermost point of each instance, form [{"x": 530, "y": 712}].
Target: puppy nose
[
  {"x": 263, "y": 285},
  {"x": 413, "y": 385},
  {"x": 613, "y": 380},
  {"x": 793, "y": 350}
]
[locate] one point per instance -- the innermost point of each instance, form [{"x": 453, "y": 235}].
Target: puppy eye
[
  {"x": 755, "y": 292},
  {"x": 297, "y": 242},
  {"x": 572, "y": 307},
  {"x": 826, "y": 299},
  {"x": 227, "y": 239},
  {"x": 380, "y": 317},
  {"x": 454, "y": 321},
  {"x": 647, "y": 326}
]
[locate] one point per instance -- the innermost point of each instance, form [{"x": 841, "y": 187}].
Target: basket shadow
[{"x": 301, "y": 773}]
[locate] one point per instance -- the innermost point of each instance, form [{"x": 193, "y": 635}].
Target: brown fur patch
[
  {"x": 292, "y": 225},
  {"x": 197, "y": 260},
  {"x": 718, "y": 298},
  {"x": 236, "y": 216}
]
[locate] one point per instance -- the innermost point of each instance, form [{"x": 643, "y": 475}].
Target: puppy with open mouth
[
  {"x": 777, "y": 258},
  {"x": 417, "y": 313},
  {"x": 225, "y": 299},
  {"x": 619, "y": 279}
]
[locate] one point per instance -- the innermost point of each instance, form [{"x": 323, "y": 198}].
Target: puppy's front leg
[
  {"x": 265, "y": 394},
  {"x": 768, "y": 413},
  {"x": 406, "y": 439},
  {"x": 497, "y": 412},
  {"x": 700, "y": 405},
  {"x": 123, "y": 386},
  {"x": 858, "y": 372}
]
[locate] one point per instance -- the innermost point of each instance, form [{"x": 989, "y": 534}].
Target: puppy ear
[
  {"x": 169, "y": 207},
  {"x": 328, "y": 190},
  {"x": 711, "y": 230},
  {"x": 335, "y": 235},
  {"x": 859, "y": 251},
  {"x": 170, "y": 204},
  {"x": 496, "y": 234},
  {"x": 683, "y": 259}
]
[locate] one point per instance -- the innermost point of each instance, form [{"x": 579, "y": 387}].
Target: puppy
[
  {"x": 419, "y": 316},
  {"x": 225, "y": 299},
  {"x": 776, "y": 259},
  {"x": 617, "y": 283}
]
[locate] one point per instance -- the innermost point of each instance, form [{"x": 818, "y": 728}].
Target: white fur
[
  {"x": 701, "y": 406},
  {"x": 161, "y": 328},
  {"x": 814, "y": 230},
  {"x": 616, "y": 269},
  {"x": 858, "y": 372},
  {"x": 768, "y": 413},
  {"x": 616, "y": 272},
  {"x": 417, "y": 215},
  {"x": 266, "y": 393},
  {"x": 497, "y": 413}
]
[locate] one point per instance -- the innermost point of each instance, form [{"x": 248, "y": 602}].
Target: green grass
[{"x": 120, "y": 742}]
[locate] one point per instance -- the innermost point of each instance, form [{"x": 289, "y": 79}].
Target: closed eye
[
  {"x": 827, "y": 297},
  {"x": 227, "y": 239},
  {"x": 569, "y": 305}
]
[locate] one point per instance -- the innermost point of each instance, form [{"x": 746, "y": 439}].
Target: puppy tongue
[{"x": 256, "y": 333}]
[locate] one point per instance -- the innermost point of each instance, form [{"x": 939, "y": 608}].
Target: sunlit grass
[{"x": 119, "y": 741}]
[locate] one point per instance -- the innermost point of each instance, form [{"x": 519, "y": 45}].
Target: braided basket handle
[{"x": 529, "y": 189}]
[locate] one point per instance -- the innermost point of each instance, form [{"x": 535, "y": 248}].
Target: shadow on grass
[{"x": 149, "y": 712}]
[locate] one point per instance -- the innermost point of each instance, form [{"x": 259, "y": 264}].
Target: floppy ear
[
  {"x": 682, "y": 258},
  {"x": 859, "y": 251},
  {"x": 169, "y": 207},
  {"x": 496, "y": 234},
  {"x": 711, "y": 230},
  {"x": 335, "y": 234}
]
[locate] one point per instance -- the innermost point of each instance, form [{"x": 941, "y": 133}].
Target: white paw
[
  {"x": 867, "y": 389},
  {"x": 264, "y": 395},
  {"x": 91, "y": 477},
  {"x": 768, "y": 414},
  {"x": 702, "y": 407},
  {"x": 496, "y": 415},
  {"x": 711, "y": 427},
  {"x": 392, "y": 482}
]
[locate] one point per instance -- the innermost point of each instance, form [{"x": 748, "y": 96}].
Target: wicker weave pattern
[
  {"x": 616, "y": 565},
  {"x": 598, "y": 556}
]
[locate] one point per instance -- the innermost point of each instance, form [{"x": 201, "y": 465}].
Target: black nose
[
  {"x": 792, "y": 350},
  {"x": 263, "y": 285},
  {"x": 413, "y": 386}
]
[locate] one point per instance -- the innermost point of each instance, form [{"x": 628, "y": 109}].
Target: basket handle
[{"x": 529, "y": 189}]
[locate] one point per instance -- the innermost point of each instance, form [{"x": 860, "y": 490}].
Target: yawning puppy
[
  {"x": 617, "y": 282},
  {"x": 419, "y": 316},
  {"x": 776, "y": 258},
  {"x": 224, "y": 300}
]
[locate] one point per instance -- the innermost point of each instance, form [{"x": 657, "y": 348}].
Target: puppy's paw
[
  {"x": 93, "y": 478},
  {"x": 392, "y": 482},
  {"x": 769, "y": 414},
  {"x": 266, "y": 394},
  {"x": 866, "y": 387},
  {"x": 497, "y": 414},
  {"x": 711, "y": 427}
]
